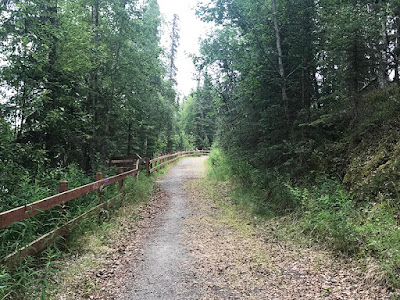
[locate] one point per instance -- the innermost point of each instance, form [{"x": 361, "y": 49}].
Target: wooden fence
[{"x": 24, "y": 212}]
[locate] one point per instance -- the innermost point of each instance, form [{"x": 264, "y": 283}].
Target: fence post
[
  {"x": 137, "y": 163},
  {"x": 147, "y": 162},
  {"x": 63, "y": 186},
  {"x": 120, "y": 182},
  {"x": 99, "y": 176}
]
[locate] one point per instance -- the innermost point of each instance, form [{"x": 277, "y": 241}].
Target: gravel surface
[{"x": 161, "y": 274}]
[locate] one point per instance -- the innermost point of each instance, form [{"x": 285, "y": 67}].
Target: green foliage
[
  {"x": 197, "y": 118},
  {"x": 138, "y": 190},
  {"x": 261, "y": 192},
  {"x": 330, "y": 75},
  {"x": 219, "y": 165},
  {"x": 34, "y": 277},
  {"x": 17, "y": 163},
  {"x": 329, "y": 215},
  {"x": 86, "y": 80},
  {"x": 31, "y": 278},
  {"x": 323, "y": 212}
]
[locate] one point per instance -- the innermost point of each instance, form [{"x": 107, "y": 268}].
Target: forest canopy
[
  {"x": 81, "y": 81},
  {"x": 298, "y": 85}
]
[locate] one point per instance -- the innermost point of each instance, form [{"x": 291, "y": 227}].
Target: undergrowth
[
  {"x": 19, "y": 234},
  {"x": 323, "y": 212},
  {"x": 33, "y": 277}
]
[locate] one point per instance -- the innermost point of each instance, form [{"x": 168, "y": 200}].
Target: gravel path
[
  {"x": 161, "y": 274},
  {"x": 192, "y": 243}
]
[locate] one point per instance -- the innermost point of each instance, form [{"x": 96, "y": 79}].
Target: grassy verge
[
  {"x": 322, "y": 214},
  {"x": 36, "y": 276}
]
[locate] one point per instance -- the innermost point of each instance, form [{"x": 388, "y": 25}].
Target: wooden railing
[
  {"x": 24, "y": 212},
  {"x": 158, "y": 162}
]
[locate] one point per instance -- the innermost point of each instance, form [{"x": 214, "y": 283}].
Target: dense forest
[
  {"x": 305, "y": 98},
  {"x": 299, "y": 100},
  {"x": 299, "y": 84},
  {"x": 81, "y": 81}
]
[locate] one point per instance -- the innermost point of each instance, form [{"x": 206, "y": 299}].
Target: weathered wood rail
[
  {"x": 24, "y": 212},
  {"x": 156, "y": 163}
]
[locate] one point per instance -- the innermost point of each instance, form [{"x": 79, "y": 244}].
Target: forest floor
[{"x": 190, "y": 242}]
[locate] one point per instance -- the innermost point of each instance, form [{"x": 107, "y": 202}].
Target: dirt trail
[
  {"x": 199, "y": 247},
  {"x": 161, "y": 274}
]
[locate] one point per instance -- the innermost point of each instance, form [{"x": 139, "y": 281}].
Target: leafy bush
[
  {"x": 328, "y": 214},
  {"x": 220, "y": 165},
  {"x": 261, "y": 192},
  {"x": 18, "y": 163}
]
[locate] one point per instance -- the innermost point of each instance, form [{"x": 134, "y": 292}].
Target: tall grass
[
  {"x": 22, "y": 233},
  {"x": 324, "y": 213},
  {"x": 32, "y": 277}
]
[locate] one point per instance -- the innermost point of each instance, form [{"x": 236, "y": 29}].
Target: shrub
[{"x": 328, "y": 214}]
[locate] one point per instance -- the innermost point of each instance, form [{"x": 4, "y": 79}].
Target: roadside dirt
[
  {"x": 234, "y": 260},
  {"x": 191, "y": 243}
]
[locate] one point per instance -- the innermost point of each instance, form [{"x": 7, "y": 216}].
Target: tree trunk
[
  {"x": 50, "y": 136},
  {"x": 280, "y": 57},
  {"x": 174, "y": 48},
  {"x": 93, "y": 86},
  {"x": 129, "y": 148},
  {"x": 354, "y": 78},
  {"x": 396, "y": 51},
  {"x": 382, "y": 58}
]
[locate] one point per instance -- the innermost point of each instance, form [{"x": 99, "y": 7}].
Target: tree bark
[
  {"x": 280, "y": 57},
  {"x": 129, "y": 148},
  {"x": 396, "y": 51},
  {"x": 93, "y": 86},
  {"x": 382, "y": 58}
]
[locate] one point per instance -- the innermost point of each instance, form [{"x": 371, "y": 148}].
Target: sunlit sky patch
[{"x": 191, "y": 29}]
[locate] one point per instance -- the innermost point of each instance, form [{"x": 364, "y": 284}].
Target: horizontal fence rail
[
  {"x": 24, "y": 212},
  {"x": 158, "y": 162},
  {"x": 27, "y": 211}
]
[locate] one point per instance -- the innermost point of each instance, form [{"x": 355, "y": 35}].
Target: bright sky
[{"x": 191, "y": 29}]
